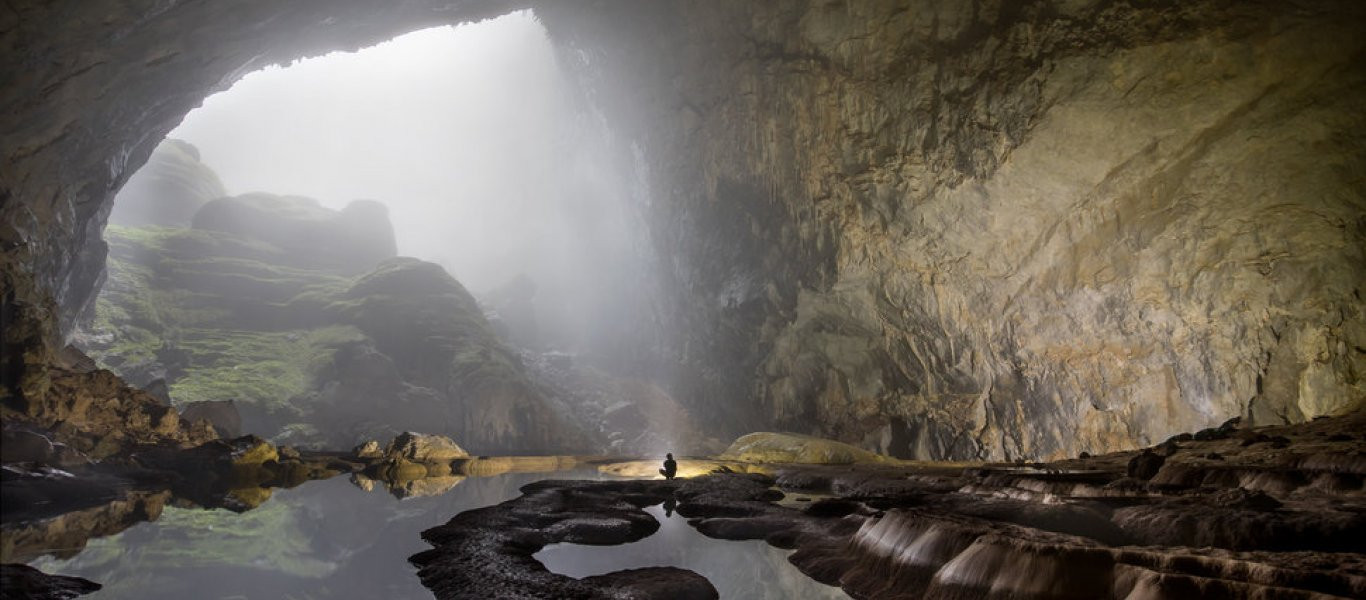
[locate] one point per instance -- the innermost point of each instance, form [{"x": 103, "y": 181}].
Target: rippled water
[{"x": 331, "y": 539}]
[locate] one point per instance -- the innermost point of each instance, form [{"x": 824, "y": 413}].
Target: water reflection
[
  {"x": 350, "y": 539},
  {"x": 324, "y": 539},
  {"x": 749, "y": 570}
]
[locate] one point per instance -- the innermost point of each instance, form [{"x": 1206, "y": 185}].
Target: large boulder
[
  {"x": 168, "y": 189},
  {"x": 424, "y": 448}
]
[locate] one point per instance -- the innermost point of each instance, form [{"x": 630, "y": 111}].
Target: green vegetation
[
  {"x": 276, "y": 536},
  {"x": 230, "y": 317},
  {"x": 239, "y": 322},
  {"x": 268, "y": 369}
]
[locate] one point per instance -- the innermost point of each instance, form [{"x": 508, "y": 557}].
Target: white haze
[{"x": 467, "y": 133}]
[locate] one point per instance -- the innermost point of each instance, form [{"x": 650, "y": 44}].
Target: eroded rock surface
[
  {"x": 937, "y": 228},
  {"x": 97, "y": 414},
  {"x": 1232, "y": 515},
  {"x": 998, "y": 230},
  {"x": 488, "y": 552}
]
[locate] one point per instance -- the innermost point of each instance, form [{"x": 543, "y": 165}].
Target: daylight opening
[{"x": 255, "y": 274}]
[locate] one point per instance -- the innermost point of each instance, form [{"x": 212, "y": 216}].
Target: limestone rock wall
[
  {"x": 1000, "y": 229},
  {"x": 940, "y": 228}
]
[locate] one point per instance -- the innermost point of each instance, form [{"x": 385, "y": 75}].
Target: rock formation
[
  {"x": 168, "y": 189},
  {"x": 487, "y": 552},
  {"x": 1231, "y": 515},
  {"x": 26, "y": 583},
  {"x": 767, "y": 447},
  {"x": 998, "y": 229},
  {"x": 350, "y": 241},
  {"x": 946, "y": 229},
  {"x": 302, "y": 318}
]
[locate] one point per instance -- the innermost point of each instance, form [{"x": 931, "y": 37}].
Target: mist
[{"x": 469, "y": 135}]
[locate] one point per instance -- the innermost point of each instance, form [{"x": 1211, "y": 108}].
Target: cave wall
[
  {"x": 999, "y": 229},
  {"x": 939, "y": 228}
]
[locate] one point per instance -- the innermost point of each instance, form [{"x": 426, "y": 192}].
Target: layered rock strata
[
  {"x": 1269, "y": 513},
  {"x": 944, "y": 229},
  {"x": 1017, "y": 229}
]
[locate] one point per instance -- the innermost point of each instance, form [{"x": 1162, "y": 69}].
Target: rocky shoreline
[{"x": 1223, "y": 513}]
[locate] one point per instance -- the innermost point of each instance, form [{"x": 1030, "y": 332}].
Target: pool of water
[
  {"x": 739, "y": 570},
  {"x": 332, "y": 539},
  {"x": 324, "y": 539}
]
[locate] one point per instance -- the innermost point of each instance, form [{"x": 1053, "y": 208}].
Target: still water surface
[{"x": 331, "y": 539}]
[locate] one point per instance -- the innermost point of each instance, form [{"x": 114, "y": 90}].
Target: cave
[{"x": 971, "y": 285}]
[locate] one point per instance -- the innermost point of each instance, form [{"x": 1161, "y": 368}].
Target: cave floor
[{"x": 1270, "y": 513}]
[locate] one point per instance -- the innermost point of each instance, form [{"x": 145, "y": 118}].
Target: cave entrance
[{"x": 252, "y": 276}]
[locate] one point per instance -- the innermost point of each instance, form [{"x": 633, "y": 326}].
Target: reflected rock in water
[
  {"x": 489, "y": 466},
  {"x": 66, "y": 535},
  {"x": 431, "y": 486}
]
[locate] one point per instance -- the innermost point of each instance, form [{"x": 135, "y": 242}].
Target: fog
[{"x": 472, "y": 138}]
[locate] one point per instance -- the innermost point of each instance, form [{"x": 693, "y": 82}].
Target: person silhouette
[
  {"x": 669, "y": 506},
  {"x": 670, "y": 469}
]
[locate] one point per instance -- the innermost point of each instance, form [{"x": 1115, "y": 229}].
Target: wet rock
[
  {"x": 654, "y": 582},
  {"x": 22, "y": 582},
  {"x": 289, "y": 453},
  {"x": 1166, "y": 449},
  {"x": 250, "y": 450},
  {"x": 1244, "y": 499},
  {"x": 18, "y": 445},
  {"x": 488, "y": 552},
  {"x": 1178, "y": 438},
  {"x": 424, "y": 448},
  {"x": 368, "y": 449},
  {"x": 1205, "y": 435},
  {"x": 99, "y": 415},
  {"x": 1146, "y": 465},
  {"x": 1261, "y": 522}
]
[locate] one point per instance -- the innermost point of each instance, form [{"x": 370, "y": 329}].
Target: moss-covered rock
[
  {"x": 351, "y": 240},
  {"x": 768, "y": 447},
  {"x": 234, "y": 310},
  {"x": 438, "y": 337}
]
